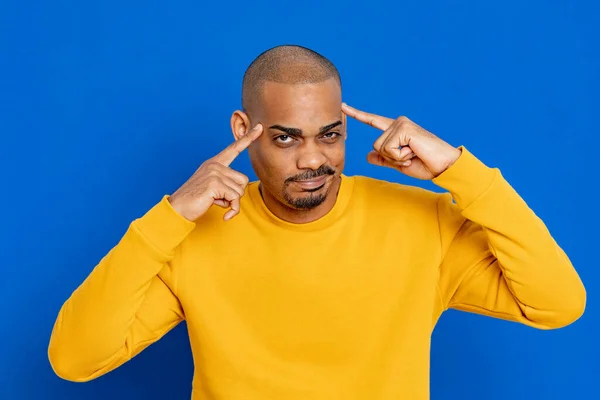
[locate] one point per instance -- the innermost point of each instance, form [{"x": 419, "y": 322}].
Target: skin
[
  {"x": 406, "y": 146},
  {"x": 304, "y": 139},
  {"x": 315, "y": 149},
  {"x": 215, "y": 183}
]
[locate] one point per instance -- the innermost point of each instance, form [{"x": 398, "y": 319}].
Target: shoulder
[
  {"x": 382, "y": 193},
  {"x": 401, "y": 207}
]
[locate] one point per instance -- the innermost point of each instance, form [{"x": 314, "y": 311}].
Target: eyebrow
[{"x": 298, "y": 132}]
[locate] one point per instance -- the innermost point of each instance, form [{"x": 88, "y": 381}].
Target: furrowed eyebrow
[
  {"x": 329, "y": 127},
  {"x": 298, "y": 132},
  {"x": 289, "y": 131}
]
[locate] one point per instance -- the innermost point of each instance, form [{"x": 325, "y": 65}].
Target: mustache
[{"x": 312, "y": 174}]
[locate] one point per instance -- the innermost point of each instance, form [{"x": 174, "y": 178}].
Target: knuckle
[
  {"x": 209, "y": 166},
  {"x": 212, "y": 172},
  {"x": 379, "y": 143},
  {"x": 202, "y": 167},
  {"x": 391, "y": 152},
  {"x": 213, "y": 180},
  {"x": 216, "y": 165},
  {"x": 402, "y": 120}
]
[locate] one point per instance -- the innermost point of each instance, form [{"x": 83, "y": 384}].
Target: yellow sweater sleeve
[
  {"x": 499, "y": 258},
  {"x": 126, "y": 303}
]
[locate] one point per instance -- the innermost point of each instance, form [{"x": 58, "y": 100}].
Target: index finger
[
  {"x": 374, "y": 120},
  {"x": 227, "y": 156}
]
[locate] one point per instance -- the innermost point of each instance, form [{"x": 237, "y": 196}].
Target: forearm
[
  {"x": 94, "y": 326},
  {"x": 537, "y": 272}
]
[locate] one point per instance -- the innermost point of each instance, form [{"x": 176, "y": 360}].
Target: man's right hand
[{"x": 215, "y": 183}]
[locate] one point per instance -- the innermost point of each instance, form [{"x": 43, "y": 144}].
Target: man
[{"x": 310, "y": 284}]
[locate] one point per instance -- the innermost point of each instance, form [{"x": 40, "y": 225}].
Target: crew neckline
[{"x": 343, "y": 198}]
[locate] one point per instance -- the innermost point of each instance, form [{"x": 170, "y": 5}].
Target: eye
[
  {"x": 331, "y": 136},
  {"x": 284, "y": 139}
]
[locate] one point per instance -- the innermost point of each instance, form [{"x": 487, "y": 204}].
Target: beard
[
  {"x": 306, "y": 202},
  {"x": 313, "y": 199}
]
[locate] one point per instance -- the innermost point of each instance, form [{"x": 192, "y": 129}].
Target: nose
[{"x": 311, "y": 157}]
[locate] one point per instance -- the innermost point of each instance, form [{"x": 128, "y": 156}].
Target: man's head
[{"x": 295, "y": 93}]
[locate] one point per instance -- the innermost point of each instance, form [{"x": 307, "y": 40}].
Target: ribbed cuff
[
  {"x": 164, "y": 227},
  {"x": 467, "y": 179}
]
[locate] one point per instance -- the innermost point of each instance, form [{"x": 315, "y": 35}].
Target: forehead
[{"x": 301, "y": 104}]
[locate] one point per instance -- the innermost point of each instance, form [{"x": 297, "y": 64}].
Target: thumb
[{"x": 375, "y": 158}]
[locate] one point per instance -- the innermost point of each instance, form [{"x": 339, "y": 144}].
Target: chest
[
  {"x": 333, "y": 298},
  {"x": 366, "y": 274}
]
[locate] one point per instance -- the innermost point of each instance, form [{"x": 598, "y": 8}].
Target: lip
[{"x": 312, "y": 183}]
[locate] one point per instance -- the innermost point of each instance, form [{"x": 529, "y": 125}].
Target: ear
[{"x": 240, "y": 124}]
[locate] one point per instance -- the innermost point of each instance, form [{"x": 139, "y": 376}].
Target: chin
[
  {"x": 308, "y": 199},
  {"x": 306, "y": 203}
]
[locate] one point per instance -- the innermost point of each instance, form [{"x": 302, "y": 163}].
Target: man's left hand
[{"x": 405, "y": 146}]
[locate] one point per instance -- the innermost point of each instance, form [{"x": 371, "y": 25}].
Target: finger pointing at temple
[{"x": 374, "y": 120}]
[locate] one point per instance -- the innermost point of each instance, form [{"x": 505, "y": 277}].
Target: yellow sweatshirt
[{"x": 340, "y": 308}]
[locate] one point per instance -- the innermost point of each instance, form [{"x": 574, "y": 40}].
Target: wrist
[
  {"x": 466, "y": 179},
  {"x": 177, "y": 205},
  {"x": 451, "y": 158},
  {"x": 163, "y": 227}
]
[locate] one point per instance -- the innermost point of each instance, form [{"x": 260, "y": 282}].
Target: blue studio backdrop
[{"x": 107, "y": 105}]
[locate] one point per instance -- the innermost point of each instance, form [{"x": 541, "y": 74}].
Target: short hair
[{"x": 292, "y": 64}]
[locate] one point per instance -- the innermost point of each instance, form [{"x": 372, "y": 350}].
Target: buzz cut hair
[{"x": 289, "y": 64}]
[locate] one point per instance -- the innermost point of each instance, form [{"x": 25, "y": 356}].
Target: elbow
[
  {"x": 569, "y": 309},
  {"x": 64, "y": 365},
  {"x": 570, "y": 294},
  {"x": 564, "y": 297},
  {"x": 575, "y": 306},
  {"x": 64, "y": 368},
  {"x": 572, "y": 299}
]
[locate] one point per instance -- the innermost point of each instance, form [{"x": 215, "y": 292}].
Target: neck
[{"x": 296, "y": 216}]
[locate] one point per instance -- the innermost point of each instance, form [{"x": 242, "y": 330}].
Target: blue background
[{"x": 107, "y": 105}]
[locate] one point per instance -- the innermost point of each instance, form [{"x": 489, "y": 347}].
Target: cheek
[
  {"x": 273, "y": 163},
  {"x": 337, "y": 153}
]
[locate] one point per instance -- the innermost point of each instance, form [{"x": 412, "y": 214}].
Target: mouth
[{"x": 312, "y": 185}]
